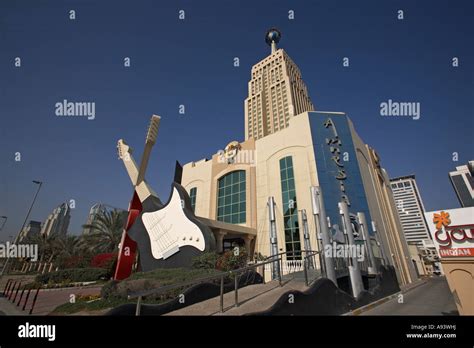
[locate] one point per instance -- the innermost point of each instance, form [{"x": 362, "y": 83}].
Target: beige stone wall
[
  {"x": 460, "y": 275},
  {"x": 383, "y": 210},
  {"x": 204, "y": 175},
  {"x": 396, "y": 229},
  {"x": 263, "y": 180},
  {"x": 199, "y": 175},
  {"x": 293, "y": 141},
  {"x": 415, "y": 256}
]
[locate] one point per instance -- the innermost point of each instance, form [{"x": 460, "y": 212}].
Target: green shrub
[
  {"x": 259, "y": 257},
  {"x": 73, "y": 275},
  {"x": 140, "y": 281},
  {"x": 231, "y": 260},
  {"x": 109, "y": 290},
  {"x": 206, "y": 260}
]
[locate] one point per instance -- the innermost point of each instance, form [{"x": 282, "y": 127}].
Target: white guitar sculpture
[{"x": 169, "y": 227}]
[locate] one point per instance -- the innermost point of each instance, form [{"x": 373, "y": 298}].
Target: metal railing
[
  {"x": 11, "y": 292},
  {"x": 279, "y": 258},
  {"x": 294, "y": 261},
  {"x": 311, "y": 272}
]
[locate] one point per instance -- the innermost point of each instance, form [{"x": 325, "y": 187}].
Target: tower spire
[{"x": 272, "y": 37}]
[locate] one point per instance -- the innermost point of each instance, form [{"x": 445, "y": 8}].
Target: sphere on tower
[{"x": 272, "y": 35}]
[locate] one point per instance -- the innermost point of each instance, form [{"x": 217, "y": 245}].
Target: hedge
[
  {"x": 151, "y": 280},
  {"x": 73, "y": 275}
]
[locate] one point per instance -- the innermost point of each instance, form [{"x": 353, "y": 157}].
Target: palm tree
[
  {"x": 47, "y": 245},
  {"x": 105, "y": 231},
  {"x": 71, "y": 248}
]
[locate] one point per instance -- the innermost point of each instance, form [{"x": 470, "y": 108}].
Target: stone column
[
  {"x": 248, "y": 245},
  {"x": 219, "y": 241}
]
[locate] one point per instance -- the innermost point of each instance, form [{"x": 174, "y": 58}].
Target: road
[{"x": 431, "y": 298}]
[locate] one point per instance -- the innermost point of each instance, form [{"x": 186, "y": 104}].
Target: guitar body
[
  {"x": 170, "y": 235},
  {"x": 165, "y": 236},
  {"x": 128, "y": 247}
]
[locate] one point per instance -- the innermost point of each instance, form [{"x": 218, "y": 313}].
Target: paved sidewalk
[
  {"x": 47, "y": 300},
  {"x": 8, "y": 308}
]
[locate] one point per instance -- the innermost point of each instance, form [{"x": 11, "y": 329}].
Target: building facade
[
  {"x": 276, "y": 92},
  {"x": 57, "y": 222},
  {"x": 425, "y": 258},
  {"x": 453, "y": 237},
  {"x": 284, "y": 159},
  {"x": 410, "y": 209},
  {"x": 463, "y": 183},
  {"x": 33, "y": 228}
]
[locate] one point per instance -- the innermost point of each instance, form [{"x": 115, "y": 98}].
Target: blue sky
[{"x": 190, "y": 62}]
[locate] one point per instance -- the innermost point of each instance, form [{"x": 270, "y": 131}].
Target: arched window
[
  {"x": 192, "y": 196},
  {"x": 290, "y": 209},
  {"x": 231, "y": 200}
]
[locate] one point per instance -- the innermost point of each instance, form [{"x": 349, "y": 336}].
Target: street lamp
[{"x": 39, "y": 183}]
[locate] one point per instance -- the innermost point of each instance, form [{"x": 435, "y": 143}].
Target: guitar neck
[
  {"x": 144, "y": 162},
  {"x": 142, "y": 188},
  {"x": 149, "y": 142},
  {"x": 131, "y": 167}
]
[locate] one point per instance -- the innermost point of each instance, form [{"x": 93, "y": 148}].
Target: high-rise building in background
[
  {"x": 276, "y": 92},
  {"x": 410, "y": 209},
  {"x": 463, "y": 182},
  {"x": 98, "y": 209},
  {"x": 31, "y": 229},
  {"x": 288, "y": 150},
  {"x": 57, "y": 222}
]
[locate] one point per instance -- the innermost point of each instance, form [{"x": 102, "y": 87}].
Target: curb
[
  {"x": 80, "y": 286},
  {"x": 378, "y": 302}
]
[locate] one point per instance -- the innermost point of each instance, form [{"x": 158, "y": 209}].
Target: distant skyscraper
[
  {"x": 276, "y": 92},
  {"x": 57, "y": 222},
  {"x": 463, "y": 183},
  {"x": 95, "y": 210},
  {"x": 410, "y": 209},
  {"x": 33, "y": 228}
]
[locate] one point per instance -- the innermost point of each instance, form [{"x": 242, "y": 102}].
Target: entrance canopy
[{"x": 224, "y": 230}]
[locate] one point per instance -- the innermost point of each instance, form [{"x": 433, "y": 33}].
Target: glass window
[
  {"x": 290, "y": 210},
  {"x": 192, "y": 196},
  {"x": 231, "y": 200}
]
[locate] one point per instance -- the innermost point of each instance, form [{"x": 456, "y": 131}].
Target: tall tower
[
  {"x": 57, "y": 222},
  {"x": 463, "y": 182},
  {"x": 410, "y": 209},
  {"x": 276, "y": 92}
]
